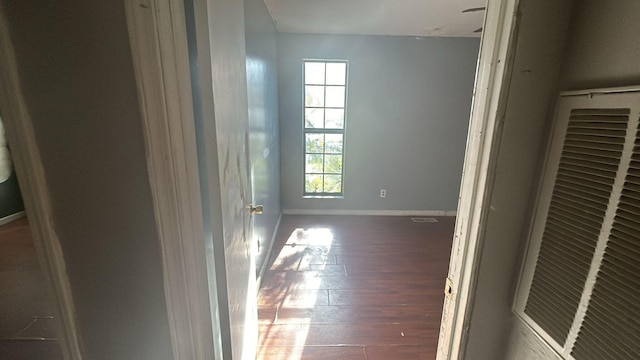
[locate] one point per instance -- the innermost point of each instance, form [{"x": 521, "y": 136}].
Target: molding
[
  {"x": 369, "y": 212},
  {"x": 157, "y": 31},
  {"x": 13, "y": 217},
  {"x": 600, "y": 91},
  {"x": 497, "y": 49},
  {"x": 265, "y": 265},
  {"x": 35, "y": 194}
]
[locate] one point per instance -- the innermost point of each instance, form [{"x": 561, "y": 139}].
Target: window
[
  {"x": 325, "y": 98},
  {"x": 581, "y": 281}
]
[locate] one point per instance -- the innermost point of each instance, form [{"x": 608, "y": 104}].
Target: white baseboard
[
  {"x": 12, "y": 217},
  {"x": 370, "y": 212},
  {"x": 265, "y": 264}
]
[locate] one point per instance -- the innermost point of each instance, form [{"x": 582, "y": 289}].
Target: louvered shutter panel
[
  {"x": 580, "y": 285},
  {"x": 591, "y": 154},
  {"x": 611, "y": 326}
]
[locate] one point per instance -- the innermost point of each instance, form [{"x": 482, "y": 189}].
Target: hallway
[{"x": 354, "y": 287}]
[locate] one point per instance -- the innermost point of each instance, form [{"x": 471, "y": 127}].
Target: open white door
[
  {"x": 190, "y": 67},
  {"x": 224, "y": 152}
]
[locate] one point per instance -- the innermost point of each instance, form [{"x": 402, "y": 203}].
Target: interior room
[
  {"x": 326, "y": 291},
  {"x": 172, "y": 159}
]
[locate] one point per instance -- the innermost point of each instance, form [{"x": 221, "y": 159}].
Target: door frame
[
  {"x": 158, "y": 36},
  {"x": 159, "y": 45},
  {"x": 493, "y": 75},
  {"x": 35, "y": 192}
]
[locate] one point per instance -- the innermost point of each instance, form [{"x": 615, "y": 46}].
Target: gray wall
[
  {"x": 408, "y": 107},
  {"x": 602, "y": 41},
  {"x": 264, "y": 134},
  {"x": 77, "y": 77},
  {"x": 603, "y": 46},
  {"x": 10, "y": 197}
]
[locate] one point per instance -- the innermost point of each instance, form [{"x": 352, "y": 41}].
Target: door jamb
[
  {"x": 31, "y": 177},
  {"x": 497, "y": 48},
  {"x": 158, "y": 35}
]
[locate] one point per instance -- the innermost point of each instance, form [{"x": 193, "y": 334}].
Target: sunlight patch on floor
[{"x": 304, "y": 256}]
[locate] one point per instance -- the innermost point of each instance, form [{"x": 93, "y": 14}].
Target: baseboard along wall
[
  {"x": 12, "y": 217},
  {"x": 370, "y": 212},
  {"x": 265, "y": 264}
]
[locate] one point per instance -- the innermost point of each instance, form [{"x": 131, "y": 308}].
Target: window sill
[{"x": 323, "y": 197}]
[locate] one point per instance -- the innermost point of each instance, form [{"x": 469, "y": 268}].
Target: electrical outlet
[{"x": 383, "y": 193}]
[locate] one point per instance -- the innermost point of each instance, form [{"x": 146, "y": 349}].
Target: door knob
[{"x": 256, "y": 209}]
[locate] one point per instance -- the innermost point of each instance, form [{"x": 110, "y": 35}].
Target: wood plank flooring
[
  {"x": 354, "y": 287},
  {"x": 27, "y": 325}
]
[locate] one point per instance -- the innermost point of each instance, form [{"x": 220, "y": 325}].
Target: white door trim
[
  {"x": 35, "y": 193},
  {"x": 490, "y": 90},
  {"x": 157, "y": 32}
]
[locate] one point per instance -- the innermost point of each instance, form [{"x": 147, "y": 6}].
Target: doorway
[
  {"x": 28, "y": 327},
  {"x": 391, "y": 139}
]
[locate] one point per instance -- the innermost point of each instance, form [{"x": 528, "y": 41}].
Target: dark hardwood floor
[
  {"x": 27, "y": 325},
  {"x": 354, "y": 287},
  {"x": 339, "y": 287}
]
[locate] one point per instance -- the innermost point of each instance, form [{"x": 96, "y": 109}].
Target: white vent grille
[
  {"x": 578, "y": 205},
  {"x": 580, "y": 284},
  {"x": 611, "y": 326}
]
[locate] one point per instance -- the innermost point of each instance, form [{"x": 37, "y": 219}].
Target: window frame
[{"x": 324, "y": 130}]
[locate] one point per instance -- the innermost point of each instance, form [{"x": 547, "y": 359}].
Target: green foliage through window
[{"x": 325, "y": 97}]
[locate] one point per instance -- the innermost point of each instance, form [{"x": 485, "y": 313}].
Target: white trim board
[
  {"x": 369, "y": 212},
  {"x": 157, "y": 31},
  {"x": 13, "y": 217},
  {"x": 488, "y": 106}
]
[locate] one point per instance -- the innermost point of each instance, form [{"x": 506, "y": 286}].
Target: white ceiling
[{"x": 378, "y": 17}]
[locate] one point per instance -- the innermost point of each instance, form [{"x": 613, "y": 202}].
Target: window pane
[
  {"x": 334, "y": 118},
  {"x": 313, "y": 164},
  {"x": 313, "y": 118},
  {"x": 314, "y": 96},
  {"x": 332, "y": 183},
  {"x": 313, "y": 183},
  {"x": 336, "y": 73},
  {"x": 314, "y": 73},
  {"x": 325, "y": 90},
  {"x": 333, "y": 164},
  {"x": 333, "y": 144},
  {"x": 314, "y": 143},
  {"x": 335, "y": 96}
]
